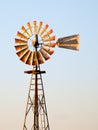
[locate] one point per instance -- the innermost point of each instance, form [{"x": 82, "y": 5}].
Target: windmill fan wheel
[{"x": 25, "y": 43}]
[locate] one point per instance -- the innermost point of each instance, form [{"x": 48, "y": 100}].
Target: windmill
[{"x": 34, "y": 45}]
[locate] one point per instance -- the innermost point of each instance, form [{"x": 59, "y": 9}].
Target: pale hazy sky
[{"x": 71, "y": 81}]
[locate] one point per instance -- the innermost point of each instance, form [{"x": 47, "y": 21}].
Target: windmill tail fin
[{"x": 69, "y": 42}]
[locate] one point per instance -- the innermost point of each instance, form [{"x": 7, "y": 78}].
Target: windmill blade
[
  {"x": 25, "y": 31},
  {"x": 44, "y": 54},
  {"x": 22, "y": 52},
  {"x": 35, "y": 60},
  {"x": 50, "y": 52},
  {"x": 39, "y": 26},
  {"x": 47, "y": 33},
  {"x": 30, "y": 58},
  {"x": 29, "y": 27},
  {"x": 19, "y": 41},
  {"x": 20, "y": 47},
  {"x": 34, "y": 24},
  {"x": 22, "y": 36},
  {"x": 25, "y": 56},
  {"x": 52, "y": 38},
  {"x": 40, "y": 58},
  {"x": 70, "y": 42},
  {"x": 49, "y": 44},
  {"x": 44, "y": 29}
]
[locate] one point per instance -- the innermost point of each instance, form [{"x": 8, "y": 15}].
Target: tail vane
[{"x": 70, "y": 42}]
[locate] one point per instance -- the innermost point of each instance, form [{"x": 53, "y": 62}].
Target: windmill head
[{"x": 34, "y": 43}]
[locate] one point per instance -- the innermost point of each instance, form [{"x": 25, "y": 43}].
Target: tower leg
[{"x": 36, "y": 117}]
